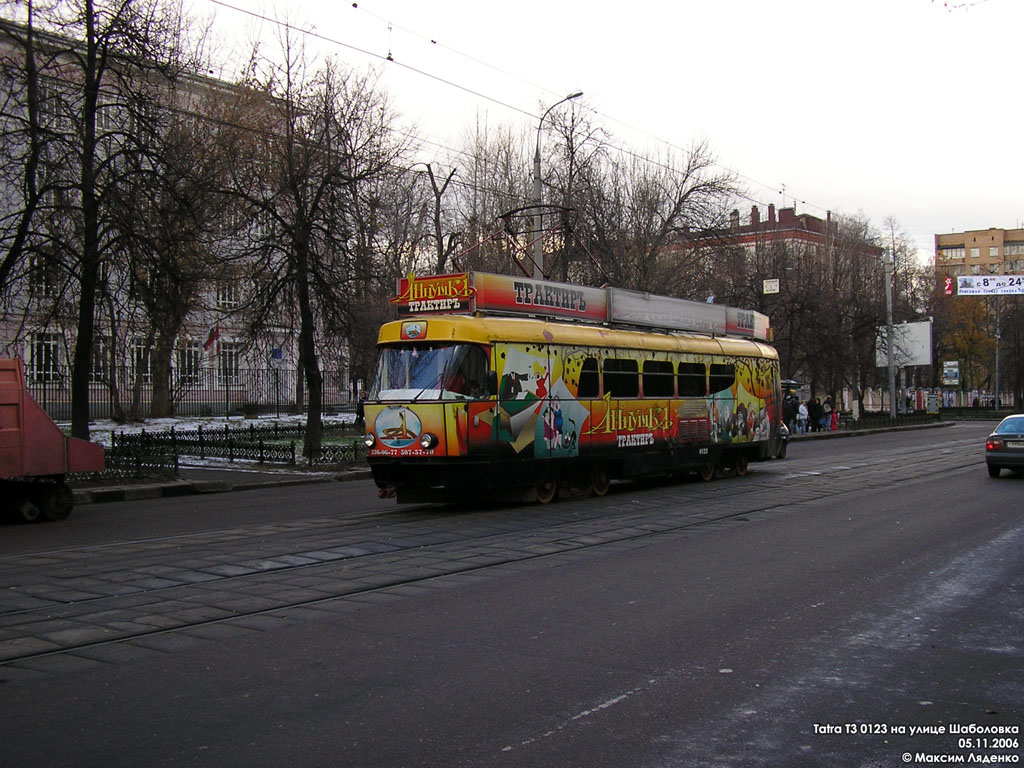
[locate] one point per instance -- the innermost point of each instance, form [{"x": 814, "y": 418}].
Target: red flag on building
[{"x": 211, "y": 337}]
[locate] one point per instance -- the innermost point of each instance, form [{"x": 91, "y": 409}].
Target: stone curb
[{"x": 861, "y": 432}]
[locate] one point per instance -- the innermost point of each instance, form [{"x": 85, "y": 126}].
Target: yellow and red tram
[{"x": 465, "y": 401}]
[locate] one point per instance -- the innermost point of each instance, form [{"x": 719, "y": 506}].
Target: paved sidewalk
[{"x": 210, "y": 479}]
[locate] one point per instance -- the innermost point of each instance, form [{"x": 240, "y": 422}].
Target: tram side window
[
  {"x": 621, "y": 378},
  {"x": 722, "y": 377},
  {"x": 589, "y": 381},
  {"x": 657, "y": 378},
  {"x": 692, "y": 380}
]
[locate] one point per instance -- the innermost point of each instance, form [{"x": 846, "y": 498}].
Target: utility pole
[{"x": 998, "y": 336}]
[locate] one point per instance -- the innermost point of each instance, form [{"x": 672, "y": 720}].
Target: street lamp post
[
  {"x": 888, "y": 262},
  {"x": 538, "y": 196}
]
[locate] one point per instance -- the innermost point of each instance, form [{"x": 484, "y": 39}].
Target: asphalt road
[{"x": 857, "y": 602}]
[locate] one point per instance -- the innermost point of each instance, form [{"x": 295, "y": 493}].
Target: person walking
[
  {"x": 801, "y": 418},
  {"x": 789, "y": 413},
  {"x": 826, "y": 414}
]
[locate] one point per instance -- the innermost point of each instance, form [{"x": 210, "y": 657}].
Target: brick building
[{"x": 980, "y": 252}]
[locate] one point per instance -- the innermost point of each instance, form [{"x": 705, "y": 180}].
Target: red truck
[{"x": 35, "y": 456}]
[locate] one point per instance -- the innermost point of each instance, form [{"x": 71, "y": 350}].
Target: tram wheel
[
  {"x": 707, "y": 473},
  {"x": 599, "y": 480},
  {"x": 547, "y": 491},
  {"x": 739, "y": 465}
]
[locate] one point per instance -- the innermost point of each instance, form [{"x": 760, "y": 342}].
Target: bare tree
[
  {"x": 313, "y": 141},
  {"x": 97, "y": 67},
  {"x": 637, "y": 210},
  {"x": 24, "y": 143},
  {"x": 495, "y": 183},
  {"x": 178, "y": 219}
]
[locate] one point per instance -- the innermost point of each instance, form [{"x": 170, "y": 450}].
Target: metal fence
[
  {"x": 264, "y": 444},
  {"x": 131, "y": 463},
  {"x": 198, "y": 393}
]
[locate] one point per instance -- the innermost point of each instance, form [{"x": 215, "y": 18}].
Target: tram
[{"x": 495, "y": 384}]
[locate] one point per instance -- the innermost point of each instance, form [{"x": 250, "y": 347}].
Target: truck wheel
[
  {"x": 59, "y": 503},
  {"x": 28, "y": 511}
]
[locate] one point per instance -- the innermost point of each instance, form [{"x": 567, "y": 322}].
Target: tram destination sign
[{"x": 990, "y": 285}]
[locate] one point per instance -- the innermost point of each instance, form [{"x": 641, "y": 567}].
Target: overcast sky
[{"x": 901, "y": 108}]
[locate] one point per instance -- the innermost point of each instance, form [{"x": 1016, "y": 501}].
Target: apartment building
[{"x": 980, "y": 252}]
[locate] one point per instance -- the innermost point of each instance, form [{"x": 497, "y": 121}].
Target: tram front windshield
[{"x": 430, "y": 371}]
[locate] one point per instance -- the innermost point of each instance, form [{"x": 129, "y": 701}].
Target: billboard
[
  {"x": 912, "y": 344},
  {"x": 951, "y": 373},
  {"x": 990, "y": 285}
]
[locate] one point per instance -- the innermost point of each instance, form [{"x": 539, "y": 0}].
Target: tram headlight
[
  {"x": 370, "y": 440},
  {"x": 428, "y": 441}
]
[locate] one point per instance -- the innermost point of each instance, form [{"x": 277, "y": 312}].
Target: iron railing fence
[
  {"x": 266, "y": 444},
  {"x": 131, "y": 463},
  {"x": 877, "y": 420},
  {"x": 198, "y": 393}
]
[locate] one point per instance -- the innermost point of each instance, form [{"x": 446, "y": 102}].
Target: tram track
[{"x": 188, "y": 583}]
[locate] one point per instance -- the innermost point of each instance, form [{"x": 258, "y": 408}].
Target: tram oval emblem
[
  {"x": 397, "y": 427},
  {"x": 413, "y": 330}
]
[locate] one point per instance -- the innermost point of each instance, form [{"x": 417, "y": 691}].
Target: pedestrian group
[{"x": 803, "y": 416}]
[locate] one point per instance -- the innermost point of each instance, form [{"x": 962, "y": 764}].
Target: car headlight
[
  {"x": 428, "y": 441},
  {"x": 370, "y": 440}
]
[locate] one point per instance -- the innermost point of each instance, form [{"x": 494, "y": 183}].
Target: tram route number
[{"x": 632, "y": 441}]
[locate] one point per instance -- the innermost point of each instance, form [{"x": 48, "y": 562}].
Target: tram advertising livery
[{"x": 490, "y": 383}]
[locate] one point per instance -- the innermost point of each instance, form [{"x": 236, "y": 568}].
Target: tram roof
[{"x": 488, "y": 329}]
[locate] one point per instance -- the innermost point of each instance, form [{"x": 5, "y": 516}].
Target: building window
[
  {"x": 100, "y": 372},
  {"x": 228, "y": 296},
  {"x": 42, "y": 278},
  {"x": 951, "y": 253},
  {"x": 993, "y": 251},
  {"x": 228, "y": 361},
  {"x": 1013, "y": 249},
  {"x": 975, "y": 253},
  {"x": 44, "y": 355},
  {"x": 140, "y": 361},
  {"x": 187, "y": 363}
]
